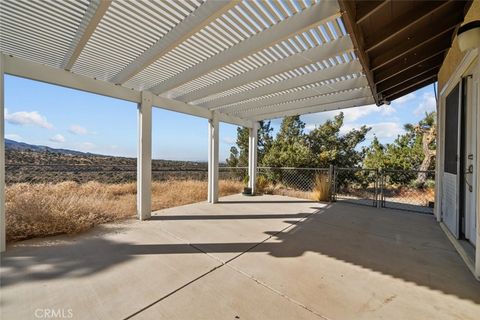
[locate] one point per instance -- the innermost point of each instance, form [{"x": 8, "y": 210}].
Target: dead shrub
[
  {"x": 46, "y": 209},
  {"x": 321, "y": 188}
]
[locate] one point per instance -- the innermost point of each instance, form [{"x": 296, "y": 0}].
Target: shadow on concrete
[{"x": 410, "y": 247}]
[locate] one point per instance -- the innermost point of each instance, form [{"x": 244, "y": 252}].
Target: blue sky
[{"x": 58, "y": 117}]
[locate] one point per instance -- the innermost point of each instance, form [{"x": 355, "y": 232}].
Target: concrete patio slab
[
  {"x": 226, "y": 294},
  {"x": 234, "y": 225},
  {"x": 357, "y": 262},
  {"x": 267, "y": 257},
  {"x": 106, "y": 274}
]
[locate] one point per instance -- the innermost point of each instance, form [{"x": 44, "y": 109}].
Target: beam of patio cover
[
  {"x": 284, "y": 29},
  {"x": 206, "y": 13},
  {"x": 348, "y": 103},
  {"x": 300, "y": 94},
  {"x": 325, "y": 51},
  {"x": 39, "y": 72},
  {"x": 95, "y": 12},
  {"x": 316, "y": 76},
  {"x": 308, "y": 102}
]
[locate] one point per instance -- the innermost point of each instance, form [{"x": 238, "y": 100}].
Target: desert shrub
[
  {"x": 262, "y": 184},
  {"x": 321, "y": 188},
  {"x": 46, "y": 209}
]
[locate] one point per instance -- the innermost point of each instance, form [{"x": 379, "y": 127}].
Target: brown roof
[{"x": 402, "y": 44}]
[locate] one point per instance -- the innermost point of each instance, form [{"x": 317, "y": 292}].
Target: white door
[{"x": 450, "y": 214}]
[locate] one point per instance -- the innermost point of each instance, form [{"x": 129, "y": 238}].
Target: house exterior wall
[
  {"x": 454, "y": 55},
  {"x": 456, "y": 65}
]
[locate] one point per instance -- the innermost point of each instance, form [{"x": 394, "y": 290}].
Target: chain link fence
[
  {"x": 233, "y": 173},
  {"x": 399, "y": 189},
  {"x": 307, "y": 183},
  {"x": 356, "y": 185},
  {"x": 408, "y": 190}
]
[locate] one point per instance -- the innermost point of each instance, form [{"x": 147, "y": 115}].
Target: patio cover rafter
[
  {"x": 280, "y": 31},
  {"x": 312, "y": 101},
  {"x": 327, "y": 88},
  {"x": 206, "y": 13},
  {"x": 94, "y": 14},
  {"x": 325, "y": 51},
  {"x": 348, "y": 103},
  {"x": 316, "y": 76}
]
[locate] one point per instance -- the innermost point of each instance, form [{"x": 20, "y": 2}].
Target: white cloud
[
  {"x": 87, "y": 146},
  {"x": 405, "y": 98},
  {"x": 229, "y": 140},
  {"x": 13, "y": 136},
  {"x": 76, "y": 129},
  {"x": 57, "y": 138},
  {"x": 25, "y": 118},
  {"x": 428, "y": 104},
  {"x": 350, "y": 115},
  {"x": 383, "y": 130}
]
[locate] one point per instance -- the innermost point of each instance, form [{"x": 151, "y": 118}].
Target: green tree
[
  {"x": 413, "y": 150},
  {"x": 239, "y": 153},
  {"x": 289, "y": 149},
  {"x": 375, "y": 155},
  {"x": 329, "y": 146}
]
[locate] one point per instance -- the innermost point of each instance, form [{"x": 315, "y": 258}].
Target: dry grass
[
  {"x": 321, "y": 188},
  {"x": 40, "y": 210}
]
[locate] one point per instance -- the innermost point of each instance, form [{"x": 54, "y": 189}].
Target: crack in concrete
[{"x": 225, "y": 263}]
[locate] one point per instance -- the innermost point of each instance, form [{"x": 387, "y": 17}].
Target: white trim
[
  {"x": 39, "y": 72},
  {"x": 477, "y": 168},
  {"x": 439, "y": 158},
  {"x": 459, "y": 72}
]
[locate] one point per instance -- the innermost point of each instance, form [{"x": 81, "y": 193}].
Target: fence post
[
  {"x": 379, "y": 186},
  {"x": 331, "y": 170}
]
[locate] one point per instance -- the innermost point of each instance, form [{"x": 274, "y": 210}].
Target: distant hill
[
  {"x": 22, "y": 146},
  {"x": 33, "y": 163}
]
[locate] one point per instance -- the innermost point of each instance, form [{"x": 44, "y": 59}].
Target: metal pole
[
  {"x": 380, "y": 195},
  {"x": 330, "y": 181}
]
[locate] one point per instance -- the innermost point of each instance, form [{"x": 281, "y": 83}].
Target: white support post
[
  {"x": 2, "y": 160},
  {"x": 144, "y": 158},
  {"x": 252, "y": 156},
  {"x": 213, "y": 136}
]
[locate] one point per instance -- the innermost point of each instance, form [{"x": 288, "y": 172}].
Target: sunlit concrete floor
[{"x": 267, "y": 257}]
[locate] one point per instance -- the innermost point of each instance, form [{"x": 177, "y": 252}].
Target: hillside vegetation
[
  {"x": 37, "y": 164},
  {"x": 57, "y": 191}
]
